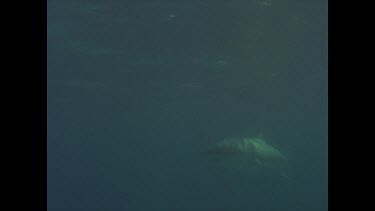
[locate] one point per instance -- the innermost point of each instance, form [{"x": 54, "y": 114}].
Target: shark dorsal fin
[
  {"x": 260, "y": 137},
  {"x": 260, "y": 134}
]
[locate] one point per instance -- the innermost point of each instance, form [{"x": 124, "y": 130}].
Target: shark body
[{"x": 249, "y": 151}]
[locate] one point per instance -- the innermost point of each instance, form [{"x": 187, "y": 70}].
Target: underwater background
[{"x": 138, "y": 89}]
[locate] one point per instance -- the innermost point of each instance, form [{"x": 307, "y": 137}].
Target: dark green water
[{"x": 136, "y": 90}]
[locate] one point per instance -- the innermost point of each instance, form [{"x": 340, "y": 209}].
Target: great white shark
[{"x": 249, "y": 151}]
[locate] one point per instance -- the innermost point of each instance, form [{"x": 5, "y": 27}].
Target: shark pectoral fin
[
  {"x": 263, "y": 164},
  {"x": 258, "y": 162}
]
